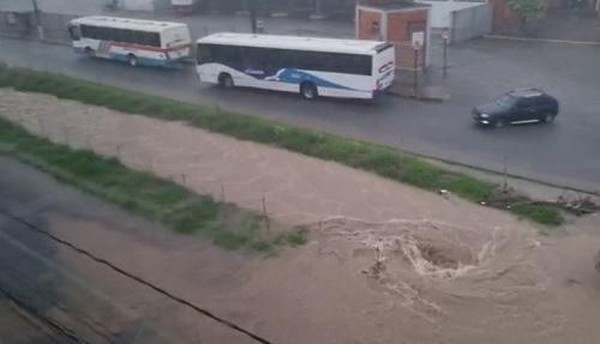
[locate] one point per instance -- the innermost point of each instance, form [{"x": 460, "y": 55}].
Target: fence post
[
  {"x": 319, "y": 250},
  {"x": 184, "y": 179},
  {"x": 66, "y": 134},
  {"x": 119, "y": 147},
  {"x": 41, "y": 125},
  {"x": 505, "y": 174},
  {"x": 265, "y": 213}
]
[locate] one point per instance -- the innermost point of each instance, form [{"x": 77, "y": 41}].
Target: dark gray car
[{"x": 516, "y": 107}]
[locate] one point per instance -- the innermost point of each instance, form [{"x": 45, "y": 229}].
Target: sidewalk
[{"x": 424, "y": 86}]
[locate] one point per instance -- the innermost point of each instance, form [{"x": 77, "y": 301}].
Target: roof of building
[
  {"x": 394, "y": 5},
  {"x": 127, "y": 23},
  {"x": 294, "y": 42}
]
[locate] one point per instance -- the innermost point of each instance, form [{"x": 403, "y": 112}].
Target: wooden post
[
  {"x": 184, "y": 179},
  {"x": 505, "y": 174},
  {"x": 320, "y": 236},
  {"x": 265, "y": 213},
  {"x": 119, "y": 146},
  {"x": 66, "y": 134},
  {"x": 41, "y": 125}
]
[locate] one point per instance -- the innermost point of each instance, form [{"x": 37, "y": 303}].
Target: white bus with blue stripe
[
  {"x": 310, "y": 66},
  {"x": 135, "y": 41}
]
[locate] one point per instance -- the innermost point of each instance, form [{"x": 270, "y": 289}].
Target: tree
[{"x": 527, "y": 10}]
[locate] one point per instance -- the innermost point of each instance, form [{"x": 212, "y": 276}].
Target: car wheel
[
  {"x": 226, "y": 81},
  {"x": 499, "y": 123},
  {"x": 308, "y": 91},
  {"x": 132, "y": 61},
  {"x": 548, "y": 118}
]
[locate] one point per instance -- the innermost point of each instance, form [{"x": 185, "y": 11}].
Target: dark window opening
[{"x": 268, "y": 59}]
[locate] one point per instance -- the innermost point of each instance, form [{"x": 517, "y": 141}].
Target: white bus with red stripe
[{"x": 135, "y": 41}]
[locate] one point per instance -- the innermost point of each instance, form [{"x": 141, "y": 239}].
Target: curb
[
  {"x": 541, "y": 40},
  {"x": 422, "y": 95}
]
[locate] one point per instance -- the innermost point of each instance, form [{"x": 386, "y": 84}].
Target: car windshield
[{"x": 506, "y": 101}]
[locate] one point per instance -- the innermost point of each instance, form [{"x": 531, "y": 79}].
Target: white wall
[
  {"x": 440, "y": 11},
  {"x": 138, "y": 5},
  {"x": 182, "y": 2}
]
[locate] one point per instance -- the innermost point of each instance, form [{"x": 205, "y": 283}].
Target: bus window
[
  {"x": 204, "y": 53},
  {"x": 88, "y": 31},
  {"x": 148, "y": 38}
]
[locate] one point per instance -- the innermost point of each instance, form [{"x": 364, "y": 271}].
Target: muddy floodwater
[{"x": 446, "y": 271}]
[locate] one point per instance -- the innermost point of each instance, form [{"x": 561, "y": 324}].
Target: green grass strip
[
  {"x": 540, "y": 213},
  {"x": 380, "y": 160},
  {"x": 143, "y": 193}
]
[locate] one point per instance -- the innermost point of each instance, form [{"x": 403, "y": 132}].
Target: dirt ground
[{"x": 386, "y": 263}]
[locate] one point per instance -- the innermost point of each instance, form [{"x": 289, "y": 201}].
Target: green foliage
[
  {"x": 540, "y": 213},
  {"x": 298, "y": 237},
  {"x": 528, "y": 10}
]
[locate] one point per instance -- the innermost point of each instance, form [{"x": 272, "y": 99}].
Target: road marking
[{"x": 542, "y": 40}]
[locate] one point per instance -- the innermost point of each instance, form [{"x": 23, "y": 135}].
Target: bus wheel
[
  {"x": 308, "y": 91},
  {"x": 226, "y": 81},
  {"x": 89, "y": 52},
  {"x": 132, "y": 60}
]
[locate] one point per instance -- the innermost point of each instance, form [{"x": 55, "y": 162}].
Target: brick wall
[{"x": 366, "y": 21}]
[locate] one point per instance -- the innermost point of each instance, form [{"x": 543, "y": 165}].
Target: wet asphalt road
[{"x": 564, "y": 153}]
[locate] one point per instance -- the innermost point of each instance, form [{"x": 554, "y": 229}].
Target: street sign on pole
[
  {"x": 446, "y": 38},
  {"x": 418, "y": 38},
  {"x": 416, "y": 48},
  {"x": 445, "y": 35}
]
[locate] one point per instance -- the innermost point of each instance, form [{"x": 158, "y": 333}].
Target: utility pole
[
  {"x": 38, "y": 22},
  {"x": 253, "y": 15},
  {"x": 416, "y": 48},
  {"x": 446, "y": 38},
  {"x": 318, "y": 14}
]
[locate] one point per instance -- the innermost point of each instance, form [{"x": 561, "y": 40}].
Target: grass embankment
[
  {"x": 380, "y": 160},
  {"x": 145, "y": 194}
]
